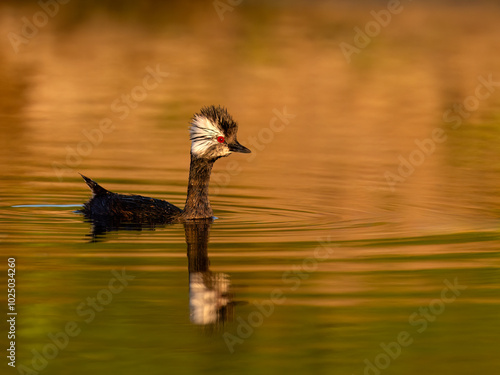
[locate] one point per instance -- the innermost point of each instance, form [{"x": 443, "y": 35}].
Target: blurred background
[{"x": 374, "y": 127}]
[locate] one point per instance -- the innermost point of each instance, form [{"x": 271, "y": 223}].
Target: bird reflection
[{"x": 210, "y": 299}]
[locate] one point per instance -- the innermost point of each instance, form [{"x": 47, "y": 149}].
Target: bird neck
[{"x": 197, "y": 202}]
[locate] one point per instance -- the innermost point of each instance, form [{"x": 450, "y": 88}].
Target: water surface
[{"x": 349, "y": 228}]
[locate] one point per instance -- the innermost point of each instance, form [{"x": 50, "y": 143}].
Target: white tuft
[{"x": 203, "y": 134}]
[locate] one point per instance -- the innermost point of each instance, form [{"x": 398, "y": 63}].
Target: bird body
[{"x": 213, "y": 135}]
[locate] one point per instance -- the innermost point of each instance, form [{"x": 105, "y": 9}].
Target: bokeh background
[{"x": 336, "y": 158}]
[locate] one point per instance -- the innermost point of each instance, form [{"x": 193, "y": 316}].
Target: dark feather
[{"x": 116, "y": 209}]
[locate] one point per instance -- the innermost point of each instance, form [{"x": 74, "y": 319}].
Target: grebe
[{"x": 213, "y": 135}]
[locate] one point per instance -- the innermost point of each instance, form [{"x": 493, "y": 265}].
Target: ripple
[{"x": 47, "y": 205}]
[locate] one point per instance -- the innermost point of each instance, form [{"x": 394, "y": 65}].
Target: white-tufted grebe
[{"x": 213, "y": 135}]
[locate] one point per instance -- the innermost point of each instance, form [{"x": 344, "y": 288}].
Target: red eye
[{"x": 220, "y": 139}]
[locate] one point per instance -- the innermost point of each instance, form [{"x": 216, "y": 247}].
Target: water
[{"x": 360, "y": 236}]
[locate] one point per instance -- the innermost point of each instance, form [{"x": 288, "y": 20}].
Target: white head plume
[{"x": 203, "y": 134}]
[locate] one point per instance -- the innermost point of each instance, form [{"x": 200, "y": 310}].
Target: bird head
[{"x": 213, "y": 134}]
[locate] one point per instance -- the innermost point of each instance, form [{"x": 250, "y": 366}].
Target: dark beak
[{"x": 236, "y": 147}]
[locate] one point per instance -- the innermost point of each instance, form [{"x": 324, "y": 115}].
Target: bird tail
[{"x": 94, "y": 186}]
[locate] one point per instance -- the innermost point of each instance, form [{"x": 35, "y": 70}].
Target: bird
[{"x": 213, "y": 135}]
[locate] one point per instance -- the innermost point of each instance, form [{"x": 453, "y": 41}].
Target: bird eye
[{"x": 220, "y": 139}]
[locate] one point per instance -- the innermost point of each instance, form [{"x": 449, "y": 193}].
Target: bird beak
[{"x": 236, "y": 147}]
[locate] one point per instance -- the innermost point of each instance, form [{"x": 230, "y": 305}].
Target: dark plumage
[
  {"x": 220, "y": 116},
  {"x": 213, "y": 135},
  {"x": 114, "y": 209}
]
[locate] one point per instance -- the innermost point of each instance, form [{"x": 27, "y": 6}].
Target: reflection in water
[
  {"x": 209, "y": 298},
  {"x": 100, "y": 227}
]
